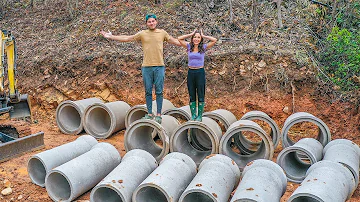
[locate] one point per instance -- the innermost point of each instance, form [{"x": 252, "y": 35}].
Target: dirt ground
[{"x": 338, "y": 116}]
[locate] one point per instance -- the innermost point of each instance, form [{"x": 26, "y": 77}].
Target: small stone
[
  {"x": 20, "y": 197},
  {"x": 6, "y": 191},
  {"x": 262, "y": 64},
  {"x": 286, "y": 110},
  {"x": 7, "y": 183}
]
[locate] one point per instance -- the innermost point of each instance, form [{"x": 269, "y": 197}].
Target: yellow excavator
[{"x": 12, "y": 143}]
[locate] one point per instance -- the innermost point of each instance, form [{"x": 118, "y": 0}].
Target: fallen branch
[{"x": 293, "y": 96}]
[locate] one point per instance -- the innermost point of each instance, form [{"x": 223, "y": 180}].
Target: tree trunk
[
  {"x": 334, "y": 7},
  {"x": 278, "y": 4},
  {"x": 231, "y": 12},
  {"x": 255, "y": 15}
]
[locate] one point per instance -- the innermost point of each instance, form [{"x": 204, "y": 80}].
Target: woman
[{"x": 196, "y": 74}]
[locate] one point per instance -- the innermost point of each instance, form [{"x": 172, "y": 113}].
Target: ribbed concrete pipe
[
  {"x": 225, "y": 117},
  {"x": 71, "y": 179},
  {"x": 274, "y": 133},
  {"x": 217, "y": 177},
  {"x": 325, "y": 181},
  {"x": 168, "y": 181},
  {"x": 323, "y": 137},
  {"x": 69, "y": 115},
  {"x": 120, "y": 184},
  {"x": 294, "y": 166},
  {"x": 207, "y": 133},
  {"x": 265, "y": 151},
  {"x": 262, "y": 181},
  {"x": 138, "y": 111},
  {"x": 140, "y": 135},
  {"x": 182, "y": 112},
  {"x": 40, "y": 164},
  {"x": 345, "y": 152},
  {"x": 102, "y": 120}
]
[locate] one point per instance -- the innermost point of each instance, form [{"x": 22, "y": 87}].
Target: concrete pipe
[
  {"x": 182, "y": 113},
  {"x": 138, "y": 111},
  {"x": 69, "y": 115},
  {"x": 324, "y": 135},
  {"x": 207, "y": 134},
  {"x": 168, "y": 181},
  {"x": 265, "y": 150},
  {"x": 120, "y": 184},
  {"x": 295, "y": 166},
  {"x": 261, "y": 181},
  {"x": 40, "y": 164},
  {"x": 223, "y": 116},
  {"x": 71, "y": 179},
  {"x": 140, "y": 136},
  {"x": 345, "y": 152},
  {"x": 261, "y": 116},
  {"x": 217, "y": 177},
  {"x": 325, "y": 181},
  {"x": 102, "y": 120}
]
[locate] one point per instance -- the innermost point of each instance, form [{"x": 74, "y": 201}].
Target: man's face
[{"x": 151, "y": 23}]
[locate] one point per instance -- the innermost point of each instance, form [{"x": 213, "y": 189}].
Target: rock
[
  {"x": 6, "y": 191},
  {"x": 7, "y": 183},
  {"x": 252, "y": 44},
  {"x": 262, "y": 64},
  {"x": 286, "y": 110},
  {"x": 20, "y": 197}
]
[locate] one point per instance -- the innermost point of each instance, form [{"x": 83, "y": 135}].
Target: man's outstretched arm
[
  {"x": 121, "y": 38},
  {"x": 174, "y": 41}
]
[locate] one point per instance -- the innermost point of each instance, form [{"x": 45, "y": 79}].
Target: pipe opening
[
  {"x": 302, "y": 130},
  {"x": 136, "y": 116},
  {"x": 150, "y": 194},
  {"x": 295, "y": 166},
  {"x": 178, "y": 116},
  {"x": 145, "y": 137},
  {"x": 106, "y": 194},
  {"x": 247, "y": 142},
  {"x": 305, "y": 199},
  {"x": 37, "y": 171},
  {"x": 198, "y": 139},
  {"x": 197, "y": 196},
  {"x": 99, "y": 121},
  {"x": 69, "y": 118},
  {"x": 58, "y": 187}
]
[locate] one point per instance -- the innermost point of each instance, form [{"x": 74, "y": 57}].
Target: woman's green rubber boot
[
  {"x": 200, "y": 111},
  {"x": 193, "y": 110}
]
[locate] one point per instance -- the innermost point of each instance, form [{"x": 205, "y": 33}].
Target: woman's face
[{"x": 196, "y": 39}]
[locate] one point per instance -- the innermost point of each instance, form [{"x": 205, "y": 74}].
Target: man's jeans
[{"x": 153, "y": 75}]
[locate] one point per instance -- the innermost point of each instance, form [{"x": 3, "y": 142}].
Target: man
[{"x": 153, "y": 67}]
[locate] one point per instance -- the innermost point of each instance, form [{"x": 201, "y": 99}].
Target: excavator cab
[{"x": 11, "y": 101}]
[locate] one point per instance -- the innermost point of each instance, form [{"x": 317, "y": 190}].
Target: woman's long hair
[{"x": 200, "y": 46}]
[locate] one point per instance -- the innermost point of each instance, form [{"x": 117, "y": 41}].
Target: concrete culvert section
[
  {"x": 261, "y": 180},
  {"x": 223, "y": 116},
  {"x": 168, "y": 181},
  {"x": 69, "y": 115},
  {"x": 217, "y": 177},
  {"x": 345, "y": 152},
  {"x": 182, "y": 114},
  {"x": 70, "y": 180},
  {"x": 263, "y": 117},
  {"x": 325, "y": 181},
  {"x": 42, "y": 163},
  {"x": 323, "y": 136},
  {"x": 227, "y": 146},
  {"x": 102, "y": 120},
  {"x": 196, "y": 139},
  {"x": 295, "y": 165},
  {"x": 138, "y": 111},
  {"x": 119, "y": 185},
  {"x": 141, "y": 134}
]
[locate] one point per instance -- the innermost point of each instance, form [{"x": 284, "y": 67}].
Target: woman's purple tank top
[{"x": 195, "y": 59}]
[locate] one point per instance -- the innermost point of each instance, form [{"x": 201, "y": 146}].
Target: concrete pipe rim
[
  {"x": 292, "y": 150},
  {"x": 178, "y": 111},
  {"x": 258, "y": 115},
  {"x": 343, "y": 142},
  {"x": 37, "y": 178},
  {"x": 194, "y": 191},
  {"x": 164, "y": 137},
  {"x": 131, "y": 111},
  {"x": 50, "y": 189},
  {"x": 218, "y": 117},
  {"x": 108, "y": 187},
  {"x": 149, "y": 185},
  {"x": 324, "y": 135},
  {"x": 61, "y": 125},
  {"x": 307, "y": 195},
  {"x": 89, "y": 128},
  {"x": 184, "y": 128}
]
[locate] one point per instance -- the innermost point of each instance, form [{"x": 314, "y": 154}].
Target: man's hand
[{"x": 107, "y": 35}]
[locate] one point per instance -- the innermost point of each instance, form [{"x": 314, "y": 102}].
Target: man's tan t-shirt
[{"x": 153, "y": 46}]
